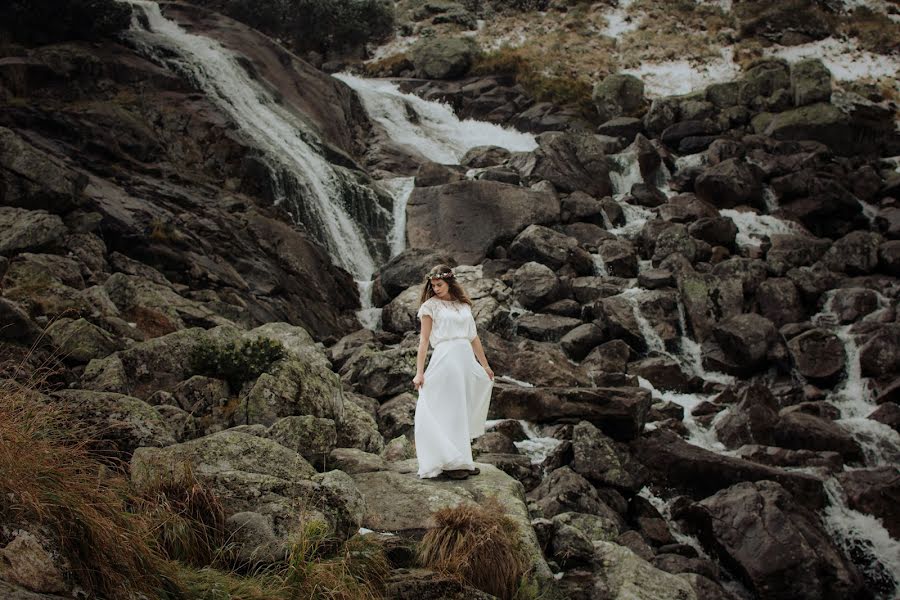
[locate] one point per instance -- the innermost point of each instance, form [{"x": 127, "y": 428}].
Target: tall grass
[{"x": 478, "y": 545}]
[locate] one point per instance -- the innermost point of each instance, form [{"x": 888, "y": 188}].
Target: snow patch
[
  {"x": 676, "y": 77},
  {"x": 844, "y": 59}
]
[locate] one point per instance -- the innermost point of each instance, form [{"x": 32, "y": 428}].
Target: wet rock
[
  {"x": 801, "y": 431},
  {"x": 564, "y": 490},
  {"x": 578, "y": 206},
  {"x": 889, "y": 414},
  {"x": 701, "y": 472},
  {"x": 573, "y": 162},
  {"x": 619, "y": 412},
  {"x": 781, "y": 549},
  {"x": 889, "y": 257},
  {"x": 810, "y": 82},
  {"x": 588, "y": 235},
  {"x": 380, "y": 373},
  {"x": 664, "y": 373},
  {"x": 623, "y": 574},
  {"x": 880, "y": 354},
  {"x": 782, "y": 457},
  {"x": 730, "y": 183},
  {"x": 751, "y": 421},
  {"x": 747, "y": 341},
  {"x": 817, "y": 354},
  {"x": 644, "y": 194},
  {"x": 581, "y": 340},
  {"x": 570, "y": 547},
  {"x": 780, "y": 302},
  {"x": 619, "y": 258},
  {"x": 553, "y": 249},
  {"x": 852, "y": 304},
  {"x": 717, "y": 231},
  {"x": 591, "y": 288},
  {"x": 855, "y": 254},
  {"x": 789, "y": 251},
  {"x": 602, "y": 461},
  {"x": 624, "y": 127},
  {"x": 875, "y": 492},
  {"x": 611, "y": 357},
  {"x": 675, "y": 564},
  {"x": 538, "y": 363},
  {"x": 506, "y": 210}
]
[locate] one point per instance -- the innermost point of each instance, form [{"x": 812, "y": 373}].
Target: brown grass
[
  {"x": 875, "y": 31},
  {"x": 152, "y": 322},
  {"x": 48, "y": 476},
  {"x": 477, "y": 544}
]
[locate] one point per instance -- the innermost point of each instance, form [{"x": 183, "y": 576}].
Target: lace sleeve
[{"x": 425, "y": 309}]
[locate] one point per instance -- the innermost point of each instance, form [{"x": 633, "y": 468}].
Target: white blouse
[{"x": 450, "y": 320}]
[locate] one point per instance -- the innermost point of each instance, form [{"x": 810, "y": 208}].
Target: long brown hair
[{"x": 456, "y": 291}]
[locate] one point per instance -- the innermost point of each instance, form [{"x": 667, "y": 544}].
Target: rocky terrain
[{"x": 690, "y": 301}]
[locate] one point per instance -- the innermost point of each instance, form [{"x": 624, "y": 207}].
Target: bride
[{"x": 455, "y": 390}]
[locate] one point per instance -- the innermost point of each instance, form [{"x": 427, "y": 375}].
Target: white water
[
  {"x": 754, "y": 228},
  {"x": 536, "y": 447},
  {"x": 313, "y": 185},
  {"x": 434, "y": 131}
]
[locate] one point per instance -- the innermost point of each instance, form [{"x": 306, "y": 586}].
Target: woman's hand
[
  {"x": 418, "y": 380},
  {"x": 490, "y": 372}
]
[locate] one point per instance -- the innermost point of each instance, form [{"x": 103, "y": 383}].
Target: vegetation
[
  {"x": 478, "y": 545},
  {"x": 167, "y": 541},
  {"x": 48, "y": 21},
  {"x": 238, "y": 362}
]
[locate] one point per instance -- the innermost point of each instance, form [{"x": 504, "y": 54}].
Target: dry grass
[
  {"x": 477, "y": 544},
  {"x": 48, "y": 476},
  {"x": 875, "y": 31}
]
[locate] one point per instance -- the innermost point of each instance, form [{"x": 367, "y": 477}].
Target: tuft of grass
[
  {"x": 48, "y": 476},
  {"x": 478, "y": 545}
]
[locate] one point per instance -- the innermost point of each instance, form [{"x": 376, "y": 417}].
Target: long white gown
[{"x": 453, "y": 403}]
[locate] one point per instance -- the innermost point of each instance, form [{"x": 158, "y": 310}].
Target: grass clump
[
  {"x": 478, "y": 545},
  {"x": 237, "y": 362}
]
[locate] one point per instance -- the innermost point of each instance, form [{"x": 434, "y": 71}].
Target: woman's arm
[
  {"x": 419, "y": 379},
  {"x": 479, "y": 354}
]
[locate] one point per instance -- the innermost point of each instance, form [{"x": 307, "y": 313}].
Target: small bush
[
  {"x": 479, "y": 545},
  {"x": 236, "y": 363}
]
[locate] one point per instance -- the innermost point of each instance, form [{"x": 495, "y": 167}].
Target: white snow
[
  {"x": 844, "y": 59},
  {"x": 620, "y": 20},
  {"x": 682, "y": 76}
]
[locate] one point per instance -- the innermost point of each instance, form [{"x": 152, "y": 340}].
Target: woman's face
[{"x": 440, "y": 287}]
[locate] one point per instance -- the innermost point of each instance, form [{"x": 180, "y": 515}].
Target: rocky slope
[{"x": 691, "y": 302}]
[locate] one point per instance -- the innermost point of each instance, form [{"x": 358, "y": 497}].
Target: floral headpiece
[{"x": 444, "y": 275}]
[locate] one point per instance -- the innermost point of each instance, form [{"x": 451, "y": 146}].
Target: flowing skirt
[{"x": 452, "y": 408}]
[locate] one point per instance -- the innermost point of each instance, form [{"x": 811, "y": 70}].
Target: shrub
[
  {"x": 237, "y": 362},
  {"x": 478, "y": 544},
  {"x": 48, "y": 21}
]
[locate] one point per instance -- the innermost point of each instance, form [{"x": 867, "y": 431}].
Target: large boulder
[
  {"x": 875, "y": 492},
  {"x": 619, "y": 412},
  {"x": 750, "y": 421},
  {"x": 503, "y": 211},
  {"x": 443, "y": 58},
  {"x": 624, "y": 575},
  {"x": 604, "y": 462},
  {"x": 818, "y": 354},
  {"x": 810, "y": 82},
  {"x": 407, "y": 269},
  {"x": 880, "y": 353},
  {"x": 747, "y": 340},
  {"x": 535, "y": 285},
  {"x": 854, "y": 254},
  {"x": 730, "y": 183},
  {"x": 24, "y": 230},
  {"x": 801, "y": 431},
  {"x": 780, "y": 549},
  {"x": 34, "y": 179},
  {"x": 573, "y": 162},
  {"x": 618, "y": 95},
  {"x": 551, "y": 248},
  {"x": 81, "y": 341},
  {"x": 700, "y": 472},
  {"x": 709, "y": 299},
  {"x": 565, "y": 491}
]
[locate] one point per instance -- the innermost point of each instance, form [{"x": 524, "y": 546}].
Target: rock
[
  {"x": 602, "y": 461},
  {"x": 553, "y": 249},
  {"x": 889, "y": 414},
  {"x": 342, "y": 502},
  {"x": 535, "y": 285},
  {"x": 408, "y": 269},
  {"x": 889, "y": 257},
  {"x": 751, "y": 421},
  {"x": 538, "y": 363},
  {"x": 594, "y": 527},
  {"x": 181, "y": 423},
  {"x": 705, "y": 588},
  {"x": 632, "y": 540},
  {"x": 747, "y": 341},
  {"x": 619, "y": 258},
  {"x": 545, "y": 328},
  {"x": 818, "y": 354},
  {"x": 611, "y": 357},
  {"x": 26, "y": 562},
  {"x": 443, "y": 58},
  {"x": 654, "y": 279},
  {"x": 619, "y": 412},
  {"x": 716, "y": 231},
  {"x": 356, "y": 428},
  {"x": 116, "y": 422},
  {"x": 875, "y": 492},
  {"x": 821, "y": 122},
  {"x": 570, "y": 547},
  {"x": 852, "y": 304},
  {"x": 782, "y": 457},
  {"x": 789, "y": 251},
  {"x": 730, "y": 183},
  {"x": 58, "y": 187},
  {"x": 701, "y": 472},
  {"x": 880, "y": 354},
  {"x": 810, "y": 82},
  {"x": 253, "y": 541},
  {"x": 200, "y": 395},
  {"x": 28, "y": 230},
  {"x": 674, "y": 240},
  {"x": 17, "y": 325},
  {"x": 618, "y": 95},
  {"x": 781, "y": 549},
  {"x": 353, "y": 461},
  {"x": 399, "y": 502},
  {"x": 484, "y": 156},
  {"x": 624, "y": 575},
  {"x": 397, "y": 416},
  {"x": 429, "y": 585},
  {"x": 623, "y": 127},
  {"x": 431, "y": 174},
  {"x": 594, "y": 287},
  {"x": 676, "y": 563},
  {"x": 800, "y": 431},
  {"x": 779, "y": 301},
  {"x": 855, "y": 254},
  {"x": 573, "y": 162},
  {"x": 565, "y": 491},
  {"x": 581, "y": 340},
  {"x": 647, "y": 195},
  {"x": 505, "y": 211},
  {"x": 708, "y": 299},
  {"x": 313, "y": 438}
]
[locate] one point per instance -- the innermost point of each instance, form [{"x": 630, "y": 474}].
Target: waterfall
[
  {"x": 430, "y": 128},
  {"x": 320, "y": 195},
  {"x": 753, "y": 228}
]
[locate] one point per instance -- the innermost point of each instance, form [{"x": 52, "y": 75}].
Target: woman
[{"x": 455, "y": 390}]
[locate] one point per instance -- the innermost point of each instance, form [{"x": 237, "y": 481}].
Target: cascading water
[{"x": 318, "y": 194}]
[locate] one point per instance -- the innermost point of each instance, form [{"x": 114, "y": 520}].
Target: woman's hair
[{"x": 444, "y": 272}]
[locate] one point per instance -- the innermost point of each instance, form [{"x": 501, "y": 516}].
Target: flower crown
[{"x": 444, "y": 275}]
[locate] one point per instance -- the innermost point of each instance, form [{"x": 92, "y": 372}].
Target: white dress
[{"x": 453, "y": 403}]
